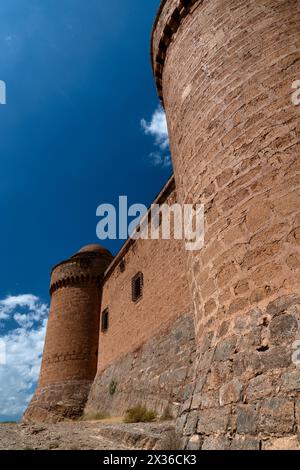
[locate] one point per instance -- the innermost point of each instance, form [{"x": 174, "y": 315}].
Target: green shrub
[
  {"x": 139, "y": 414},
  {"x": 112, "y": 387}
]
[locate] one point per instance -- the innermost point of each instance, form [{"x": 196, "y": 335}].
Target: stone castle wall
[
  {"x": 224, "y": 70},
  {"x": 147, "y": 346},
  {"x": 155, "y": 374},
  {"x": 165, "y": 296}
]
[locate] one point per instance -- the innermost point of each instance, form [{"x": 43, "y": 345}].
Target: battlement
[
  {"x": 85, "y": 268},
  {"x": 170, "y": 15}
]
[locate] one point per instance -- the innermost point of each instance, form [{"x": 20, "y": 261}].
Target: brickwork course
[{"x": 211, "y": 338}]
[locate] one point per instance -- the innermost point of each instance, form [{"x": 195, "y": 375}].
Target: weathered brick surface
[
  {"x": 225, "y": 72},
  {"x": 166, "y": 294},
  {"x": 154, "y": 374},
  {"x": 147, "y": 349}
]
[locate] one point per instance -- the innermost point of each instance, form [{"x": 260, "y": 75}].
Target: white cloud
[
  {"x": 24, "y": 318},
  {"x": 159, "y": 159},
  {"x": 9, "y": 38},
  {"x": 158, "y": 129}
]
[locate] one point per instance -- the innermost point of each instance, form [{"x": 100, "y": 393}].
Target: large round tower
[
  {"x": 71, "y": 349},
  {"x": 226, "y": 71}
]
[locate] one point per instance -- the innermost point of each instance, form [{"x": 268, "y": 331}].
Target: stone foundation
[
  {"x": 155, "y": 375},
  {"x": 56, "y": 402},
  {"x": 247, "y": 391}
]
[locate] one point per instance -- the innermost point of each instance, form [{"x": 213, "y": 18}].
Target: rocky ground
[{"x": 84, "y": 436}]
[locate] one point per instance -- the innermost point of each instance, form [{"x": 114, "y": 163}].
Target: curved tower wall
[
  {"x": 70, "y": 356},
  {"x": 224, "y": 70}
]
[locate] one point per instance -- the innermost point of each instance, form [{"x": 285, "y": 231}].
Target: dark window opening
[
  {"x": 105, "y": 320},
  {"x": 122, "y": 266},
  {"x": 137, "y": 286}
]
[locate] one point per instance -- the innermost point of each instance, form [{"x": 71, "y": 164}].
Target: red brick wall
[
  {"x": 72, "y": 336},
  {"x": 166, "y": 295}
]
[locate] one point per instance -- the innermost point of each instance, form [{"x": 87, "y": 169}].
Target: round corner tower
[
  {"x": 226, "y": 72},
  {"x": 70, "y": 356}
]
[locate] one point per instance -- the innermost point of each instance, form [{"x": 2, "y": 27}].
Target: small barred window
[
  {"x": 105, "y": 320},
  {"x": 137, "y": 286}
]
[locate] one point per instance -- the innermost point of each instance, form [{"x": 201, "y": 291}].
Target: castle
[{"x": 207, "y": 335}]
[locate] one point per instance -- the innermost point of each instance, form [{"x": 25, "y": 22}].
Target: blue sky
[{"x": 80, "y": 128}]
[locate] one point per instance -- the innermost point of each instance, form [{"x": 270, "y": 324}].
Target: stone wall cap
[{"x": 87, "y": 251}]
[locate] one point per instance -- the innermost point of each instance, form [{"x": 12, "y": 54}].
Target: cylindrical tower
[
  {"x": 70, "y": 356},
  {"x": 225, "y": 71}
]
